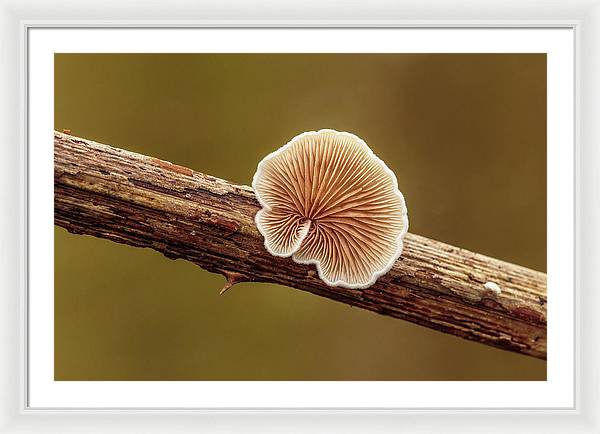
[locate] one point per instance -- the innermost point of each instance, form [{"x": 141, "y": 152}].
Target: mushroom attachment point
[{"x": 328, "y": 200}]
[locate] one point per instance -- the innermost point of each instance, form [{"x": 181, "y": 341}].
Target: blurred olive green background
[{"x": 464, "y": 133}]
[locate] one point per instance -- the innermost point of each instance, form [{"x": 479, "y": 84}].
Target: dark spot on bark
[
  {"x": 172, "y": 167},
  {"x": 492, "y": 304},
  {"x": 541, "y": 300},
  {"x": 227, "y": 226},
  {"x": 506, "y": 344},
  {"x": 528, "y": 314}
]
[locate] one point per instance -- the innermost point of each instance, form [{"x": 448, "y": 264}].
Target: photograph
[
  {"x": 300, "y": 216},
  {"x": 280, "y": 218}
]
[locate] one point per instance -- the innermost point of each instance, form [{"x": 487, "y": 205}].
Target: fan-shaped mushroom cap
[{"x": 327, "y": 199}]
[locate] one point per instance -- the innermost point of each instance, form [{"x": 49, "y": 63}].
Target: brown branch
[{"x": 146, "y": 202}]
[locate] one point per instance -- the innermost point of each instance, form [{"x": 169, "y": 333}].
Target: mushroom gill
[{"x": 328, "y": 200}]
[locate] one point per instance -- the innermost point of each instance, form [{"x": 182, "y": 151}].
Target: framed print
[{"x": 307, "y": 225}]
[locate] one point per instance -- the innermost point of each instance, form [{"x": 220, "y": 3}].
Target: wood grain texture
[{"x": 146, "y": 202}]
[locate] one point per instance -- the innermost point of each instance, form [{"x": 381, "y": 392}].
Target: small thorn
[
  {"x": 225, "y": 288},
  {"x": 232, "y": 279}
]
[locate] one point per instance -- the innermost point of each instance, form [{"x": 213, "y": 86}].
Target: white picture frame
[{"x": 17, "y": 18}]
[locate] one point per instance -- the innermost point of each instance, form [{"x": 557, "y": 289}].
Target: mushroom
[{"x": 328, "y": 200}]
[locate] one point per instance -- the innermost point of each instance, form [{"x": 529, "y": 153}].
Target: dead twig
[{"x": 146, "y": 202}]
